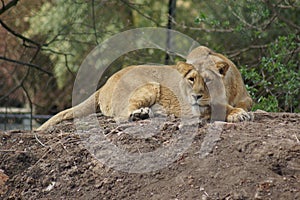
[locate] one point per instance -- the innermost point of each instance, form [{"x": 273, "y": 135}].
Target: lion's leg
[
  {"x": 142, "y": 99},
  {"x": 142, "y": 113},
  {"x": 235, "y": 114},
  {"x": 240, "y": 111},
  {"x": 246, "y": 104}
]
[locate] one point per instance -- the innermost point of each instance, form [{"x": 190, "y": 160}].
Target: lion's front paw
[
  {"x": 142, "y": 113},
  {"x": 239, "y": 115}
]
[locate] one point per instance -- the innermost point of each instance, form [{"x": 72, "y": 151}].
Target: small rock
[
  {"x": 50, "y": 186},
  {"x": 224, "y": 125},
  {"x": 3, "y": 179}
]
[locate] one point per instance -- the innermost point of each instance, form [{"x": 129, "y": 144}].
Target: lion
[
  {"x": 237, "y": 100},
  {"x": 130, "y": 93}
]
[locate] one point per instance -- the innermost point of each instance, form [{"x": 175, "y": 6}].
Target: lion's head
[
  {"x": 204, "y": 58},
  {"x": 227, "y": 87},
  {"x": 193, "y": 86},
  {"x": 205, "y": 88}
]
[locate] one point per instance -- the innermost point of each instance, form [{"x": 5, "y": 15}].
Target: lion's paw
[
  {"x": 239, "y": 115},
  {"x": 140, "y": 114}
]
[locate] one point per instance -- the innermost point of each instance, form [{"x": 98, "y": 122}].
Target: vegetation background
[{"x": 43, "y": 43}]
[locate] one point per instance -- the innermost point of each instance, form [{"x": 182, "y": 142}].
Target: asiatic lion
[
  {"x": 237, "y": 100},
  {"x": 130, "y": 93}
]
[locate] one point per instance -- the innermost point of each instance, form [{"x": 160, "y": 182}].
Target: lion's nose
[{"x": 197, "y": 96}]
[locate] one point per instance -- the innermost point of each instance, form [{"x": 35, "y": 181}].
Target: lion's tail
[{"x": 85, "y": 108}]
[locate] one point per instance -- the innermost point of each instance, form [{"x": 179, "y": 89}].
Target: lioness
[
  {"x": 238, "y": 100},
  {"x": 129, "y": 94}
]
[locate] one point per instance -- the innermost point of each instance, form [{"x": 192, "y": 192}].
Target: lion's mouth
[
  {"x": 200, "y": 104},
  {"x": 204, "y": 103}
]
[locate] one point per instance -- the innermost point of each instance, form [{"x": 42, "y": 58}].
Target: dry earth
[{"x": 249, "y": 160}]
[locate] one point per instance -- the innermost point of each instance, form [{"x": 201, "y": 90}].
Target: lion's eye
[{"x": 191, "y": 79}]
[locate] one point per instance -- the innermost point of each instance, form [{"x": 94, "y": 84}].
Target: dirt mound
[{"x": 250, "y": 160}]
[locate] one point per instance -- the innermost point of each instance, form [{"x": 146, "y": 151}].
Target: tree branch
[
  {"x": 282, "y": 18},
  {"x": 14, "y": 89},
  {"x": 94, "y": 21},
  {"x": 7, "y": 6},
  {"x": 230, "y": 30},
  {"x": 26, "y": 64},
  {"x": 238, "y": 52},
  {"x": 25, "y": 39},
  {"x": 139, "y": 12}
]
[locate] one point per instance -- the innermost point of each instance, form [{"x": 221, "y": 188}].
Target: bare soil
[{"x": 249, "y": 160}]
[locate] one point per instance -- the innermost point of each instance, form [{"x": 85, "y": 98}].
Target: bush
[{"x": 275, "y": 83}]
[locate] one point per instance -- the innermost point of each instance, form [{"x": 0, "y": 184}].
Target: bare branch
[
  {"x": 94, "y": 21},
  {"x": 274, "y": 10},
  {"x": 26, "y": 64},
  {"x": 230, "y": 30},
  {"x": 67, "y": 66},
  {"x": 7, "y": 6},
  {"x": 139, "y": 12},
  {"x": 15, "y": 88},
  {"x": 30, "y": 101},
  {"x": 25, "y": 39},
  {"x": 238, "y": 52}
]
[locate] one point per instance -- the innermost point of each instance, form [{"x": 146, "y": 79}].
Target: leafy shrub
[{"x": 275, "y": 82}]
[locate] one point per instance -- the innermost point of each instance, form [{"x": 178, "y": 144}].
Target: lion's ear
[
  {"x": 222, "y": 67},
  {"x": 184, "y": 68}
]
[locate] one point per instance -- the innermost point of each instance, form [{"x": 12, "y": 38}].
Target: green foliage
[
  {"x": 54, "y": 23},
  {"x": 269, "y": 104},
  {"x": 277, "y": 78},
  {"x": 69, "y": 31}
]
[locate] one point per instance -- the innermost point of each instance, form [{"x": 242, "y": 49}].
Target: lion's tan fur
[
  {"x": 238, "y": 100},
  {"x": 136, "y": 87}
]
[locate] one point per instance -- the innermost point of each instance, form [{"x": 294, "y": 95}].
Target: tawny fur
[
  {"x": 173, "y": 87},
  {"x": 238, "y": 101}
]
